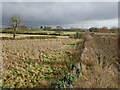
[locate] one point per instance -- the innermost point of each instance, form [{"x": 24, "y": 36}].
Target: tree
[
  {"x": 48, "y": 28},
  {"x": 104, "y": 30},
  {"x": 94, "y": 29},
  {"x": 41, "y": 27},
  {"x": 59, "y": 29},
  {"x": 23, "y": 27},
  {"x": 15, "y": 22}
]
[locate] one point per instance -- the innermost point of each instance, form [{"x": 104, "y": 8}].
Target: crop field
[
  {"x": 25, "y": 35},
  {"x": 50, "y": 32},
  {"x": 35, "y": 63},
  {"x": 39, "y": 31}
]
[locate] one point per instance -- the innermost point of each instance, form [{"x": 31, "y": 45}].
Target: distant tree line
[
  {"x": 103, "y": 29},
  {"x": 92, "y": 29},
  {"x": 60, "y": 28}
]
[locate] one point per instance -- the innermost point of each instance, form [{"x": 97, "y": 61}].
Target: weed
[{"x": 65, "y": 82}]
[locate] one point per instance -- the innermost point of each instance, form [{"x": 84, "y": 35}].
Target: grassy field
[
  {"x": 50, "y": 32},
  {"x": 25, "y": 35},
  {"x": 47, "y": 32},
  {"x": 39, "y": 31}
]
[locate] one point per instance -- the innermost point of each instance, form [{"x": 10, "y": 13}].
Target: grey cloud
[{"x": 59, "y": 13}]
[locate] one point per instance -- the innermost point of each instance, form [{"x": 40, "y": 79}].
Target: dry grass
[
  {"x": 38, "y": 62},
  {"x": 99, "y": 60},
  {"x": 35, "y": 63}
]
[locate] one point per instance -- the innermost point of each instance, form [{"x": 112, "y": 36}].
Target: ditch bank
[{"x": 97, "y": 61}]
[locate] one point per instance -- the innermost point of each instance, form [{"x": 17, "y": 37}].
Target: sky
[{"x": 65, "y": 14}]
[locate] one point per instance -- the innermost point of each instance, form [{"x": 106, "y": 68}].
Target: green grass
[
  {"x": 42, "y": 31},
  {"x": 51, "y": 32},
  {"x": 34, "y": 74},
  {"x": 73, "y": 44},
  {"x": 67, "y": 32},
  {"x": 0, "y": 30},
  {"x": 38, "y": 31}
]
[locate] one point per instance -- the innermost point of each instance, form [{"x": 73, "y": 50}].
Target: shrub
[
  {"x": 77, "y": 70},
  {"x": 77, "y": 35},
  {"x": 65, "y": 82}
]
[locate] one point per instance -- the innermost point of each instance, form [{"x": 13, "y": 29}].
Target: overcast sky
[{"x": 66, "y": 14}]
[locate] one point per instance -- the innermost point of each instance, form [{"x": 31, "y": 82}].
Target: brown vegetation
[
  {"x": 35, "y": 63},
  {"x": 38, "y": 63},
  {"x": 99, "y": 63}
]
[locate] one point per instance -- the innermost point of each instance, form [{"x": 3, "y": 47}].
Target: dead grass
[
  {"x": 34, "y": 63},
  {"x": 98, "y": 63},
  {"x": 48, "y": 60}
]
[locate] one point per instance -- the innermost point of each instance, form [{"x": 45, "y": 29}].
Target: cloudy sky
[{"x": 66, "y": 14}]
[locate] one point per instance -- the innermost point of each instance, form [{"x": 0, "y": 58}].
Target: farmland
[
  {"x": 59, "y": 45},
  {"x": 67, "y": 60},
  {"x": 28, "y": 63},
  {"x": 39, "y": 32},
  {"x": 38, "y": 63}
]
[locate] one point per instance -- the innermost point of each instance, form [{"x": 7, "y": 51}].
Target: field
[
  {"x": 35, "y": 63},
  {"x": 41, "y": 32},
  {"x": 59, "y": 45},
  {"x": 25, "y": 36},
  {"x": 45, "y": 61},
  {"x": 49, "y": 32}
]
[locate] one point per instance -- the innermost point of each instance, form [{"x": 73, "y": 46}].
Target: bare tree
[
  {"x": 15, "y": 22},
  {"x": 59, "y": 29}
]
